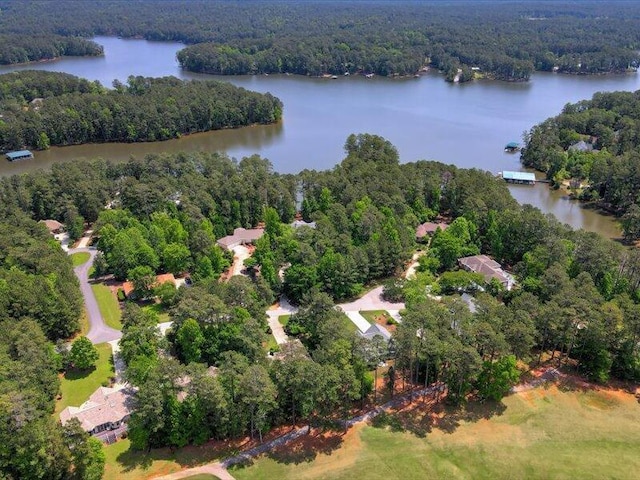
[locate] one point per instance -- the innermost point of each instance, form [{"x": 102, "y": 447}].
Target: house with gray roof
[
  {"x": 106, "y": 409},
  {"x": 241, "y": 236},
  {"x": 488, "y": 268},
  {"x": 376, "y": 330}
]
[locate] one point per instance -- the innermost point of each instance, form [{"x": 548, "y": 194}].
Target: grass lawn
[
  {"x": 539, "y": 434},
  {"x": 371, "y": 315},
  {"x": 284, "y": 319},
  {"x": 108, "y": 304},
  {"x": 121, "y": 464},
  {"x": 202, "y": 476},
  {"x": 79, "y": 258},
  {"x": 76, "y": 388},
  {"x": 350, "y": 326},
  {"x": 162, "y": 312},
  {"x": 271, "y": 344}
]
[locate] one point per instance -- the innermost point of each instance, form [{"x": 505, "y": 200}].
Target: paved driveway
[
  {"x": 371, "y": 300},
  {"x": 99, "y": 332}
]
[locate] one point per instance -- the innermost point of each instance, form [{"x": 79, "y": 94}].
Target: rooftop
[
  {"x": 19, "y": 154},
  {"x": 105, "y": 405},
  {"x": 429, "y": 228},
  {"x": 375, "y": 330},
  {"x": 241, "y": 236},
  {"x": 519, "y": 176},
  {"x": 488, "y": 268},
  {"x": 52, "y": 225}
]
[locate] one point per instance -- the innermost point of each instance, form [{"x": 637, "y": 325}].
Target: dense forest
[
  {"x": 577, "y": 296},
  {"x": 593, "y": 145},
  {"x": 15, "y": 48},
  {"x": 504, "y": 40},
  {"x": 41, "y": 109},
  {"x": 40, "y": 303}
]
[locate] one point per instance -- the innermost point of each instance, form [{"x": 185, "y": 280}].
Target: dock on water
[
  {"x": 19, "y": 155},
  {"x": 525, "y": 178}
]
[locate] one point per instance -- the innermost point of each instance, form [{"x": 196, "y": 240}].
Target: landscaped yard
[
  {"x": 77, "y": 387},
  {"x": 381, "y": 317},
  {"x": 121, "y": 464},
  {"x": 79, "y": 258},
  {"x": 108, "y": 304},
  {"x": 539, "y": 434}
]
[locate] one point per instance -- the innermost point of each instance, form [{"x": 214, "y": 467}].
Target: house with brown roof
[
  {"x": 53, "y": 226},
  {"x": 106, "y": 409},
  {"x": 241, "y": 236},
  {"x": 488, "y": 268},
  {"x": 429, "y": 228},
  {"x": 128, "y": 287}
]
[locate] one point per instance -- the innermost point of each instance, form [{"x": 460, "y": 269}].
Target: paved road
[{"x": 99, "y": 332}]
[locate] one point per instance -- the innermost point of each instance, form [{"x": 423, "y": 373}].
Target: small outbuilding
[
  {"x": 511, "y": 147},
  {"x": 526, "y": 178},
  {"x": 18, "y": 155}
]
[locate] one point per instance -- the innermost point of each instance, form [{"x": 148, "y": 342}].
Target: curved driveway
[{"x": 99, "y": 332}]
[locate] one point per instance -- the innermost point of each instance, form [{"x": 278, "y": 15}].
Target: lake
[{"x": 425, "y": 118}]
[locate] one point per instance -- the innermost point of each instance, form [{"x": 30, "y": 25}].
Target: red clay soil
[{"x": 382, "y": 321}]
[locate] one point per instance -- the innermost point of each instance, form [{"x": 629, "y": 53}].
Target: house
[
  {"x": 18, "y": 155},
  {"x": 128, "y": 287},
  {"x": 429, "y": 228},
  {"x": 488, "y": 268},
  {"x": 53, "y": 226},
  {"x": 526, "y": 178},
  {"x": 581, "y": 146},
  {"x": 106, "y": 409},
  {"x": 302, "y": 223},
  {"x": 376, "y": 330},
  {"x": 241, "y": 236},
  {"x": 36, "y": 103}
]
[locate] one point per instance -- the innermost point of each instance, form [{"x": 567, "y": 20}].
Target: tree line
[
  {"x": 505, "y": 41},
  {"x": 593, "y": 146},
  {"x": 41, "y": 109},
  {"x": 16, "y": 48}
]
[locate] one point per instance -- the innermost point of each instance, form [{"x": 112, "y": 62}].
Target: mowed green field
[{"x": 539, "y": 434}]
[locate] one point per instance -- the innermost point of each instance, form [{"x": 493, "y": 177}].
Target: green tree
[
  {"x": 190, "y": 340},
  {"x": 257, "y": 394},
  {"x": 83, "y": 354},
  {"x": 496, "y": 378},
  {"x": 143, "y": 279}
]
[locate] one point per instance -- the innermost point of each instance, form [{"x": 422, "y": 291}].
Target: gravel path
[{"x": 99, "y": 332}]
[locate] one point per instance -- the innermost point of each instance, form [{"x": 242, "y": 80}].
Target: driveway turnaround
[
  {"x": 99, "y": 332},
  {"x": 371, "y": 300}
]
